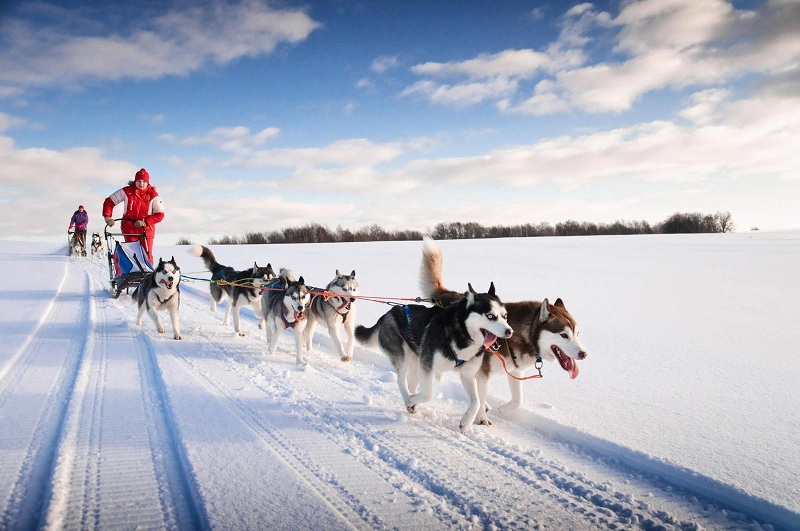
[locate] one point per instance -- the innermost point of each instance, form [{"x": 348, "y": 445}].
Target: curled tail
[
  {"x": 205, "y": 253},
  {"x": 430, "y": 275},
  {"x": 368, "y": 336}
]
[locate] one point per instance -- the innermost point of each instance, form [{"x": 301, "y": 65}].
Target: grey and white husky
[
  {"x": 284, "y": 306},
  {"x": 241, "y": 288},
  {"x": 160, "y": 290},
  {"x": 334, "y": 311},
  {"x": 98, "y": 249},
  {"x": 423, "y": 342},
  {"x": 542, "y": 330}
]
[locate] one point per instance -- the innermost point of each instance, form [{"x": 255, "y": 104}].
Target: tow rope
[{"x": 538, "y": 365}]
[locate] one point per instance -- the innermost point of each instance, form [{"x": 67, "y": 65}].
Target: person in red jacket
[{"x": 143, "y": 209}]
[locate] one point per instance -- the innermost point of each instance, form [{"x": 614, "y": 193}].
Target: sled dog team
[{"x": 463, "y": 332}]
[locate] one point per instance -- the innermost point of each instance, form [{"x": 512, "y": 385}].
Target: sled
[
  {"x": 74, "y": 248},
  {"x": 128, "y": 264}
]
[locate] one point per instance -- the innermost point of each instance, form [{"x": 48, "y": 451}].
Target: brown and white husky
[{"x": 541, "y": 330}]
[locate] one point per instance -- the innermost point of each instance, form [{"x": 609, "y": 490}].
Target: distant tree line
[{"x": 678, "y": 223}]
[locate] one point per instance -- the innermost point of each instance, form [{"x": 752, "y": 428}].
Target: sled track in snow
[
  {"x": 73, "y": 462},
  {"x": 119, "y": 438},
  {"x": 401, "y": 457}
]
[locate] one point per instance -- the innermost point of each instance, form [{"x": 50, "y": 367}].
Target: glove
[
  {"x": 140, "y": 223},
  {"x": 109, "y": 222}
]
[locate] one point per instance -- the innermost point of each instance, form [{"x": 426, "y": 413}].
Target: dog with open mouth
[
  {"x": 160, "y": 290},
  {"x": 285, "y": 306},
  {"x": 542, "y": 331},
  {"x": 423, "y": 342}
]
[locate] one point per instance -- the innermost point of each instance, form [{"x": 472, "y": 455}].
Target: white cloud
[
  {"x": 382, "y": 64},
  {"x": 236, "y": 139},
  {"x": 664, "y": 44},
  {"x": 175, "y": 43}
]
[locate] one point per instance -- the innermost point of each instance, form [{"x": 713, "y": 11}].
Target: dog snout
[
  {"x": 582, "y": 355},
  {"x": 509, "y": 333},
  {"x": 170, "y": 278}
]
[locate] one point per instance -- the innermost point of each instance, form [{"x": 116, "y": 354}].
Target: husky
[
  {"x": 160, "y": 290},
  {"x": 334, "y": 311},
  {"x": 423, "y": 342},
  {"x": 284, "y": 306},
  {"x": 240, "y": 287},
  {"x": 98, "y": 249},
  {"x": 543, "y": 331}
]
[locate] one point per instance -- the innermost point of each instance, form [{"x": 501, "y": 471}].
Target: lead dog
[
  {"x": 242, "y": 288},
  {"x": 160, "y": 290},
  {"x": 334, "y": 311},
  {"x": 542, "y": 329},
  {"x": 284, "y": 306},
  {"x": 423, "y": 342}
]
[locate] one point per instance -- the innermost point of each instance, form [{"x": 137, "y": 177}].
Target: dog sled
[
  {"x": 128, "y": 264},
  {"x": 74, "y": 247}
]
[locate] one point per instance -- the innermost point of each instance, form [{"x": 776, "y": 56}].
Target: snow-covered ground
[{"x": 685, "y": 413}]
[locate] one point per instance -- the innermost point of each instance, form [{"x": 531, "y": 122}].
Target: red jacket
[{"x": 139, "y": 204}]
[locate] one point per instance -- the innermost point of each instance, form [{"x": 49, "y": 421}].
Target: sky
[
  {"x": 253, "y": 116},
  {"x": 683, "y": 414}
]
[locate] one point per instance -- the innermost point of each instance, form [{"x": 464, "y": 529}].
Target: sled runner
[{"x": 128, "y": 264}]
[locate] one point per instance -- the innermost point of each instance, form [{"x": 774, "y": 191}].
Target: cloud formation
[
  {"x": 174, "y": 42},
  {"x": 675, "y": 44}
]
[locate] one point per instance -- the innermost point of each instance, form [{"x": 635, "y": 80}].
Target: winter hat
[{"x": 143, "y": 175}]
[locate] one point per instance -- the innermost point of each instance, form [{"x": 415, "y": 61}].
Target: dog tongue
[
  {"x": 571, "y": 368},
  {"x": 489, "y": 339}
]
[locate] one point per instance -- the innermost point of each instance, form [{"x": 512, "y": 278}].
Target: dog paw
[
  {"x": 178, "y": 336},
  {"x": 302, "y": 362},
  {"x": 465, "y": 428},
  {"x": 412, "y": 408},
  {"x": 241, "y": 334},
  {"x": 483, "y": 422},
  {"x": 161, "y": 330},
  {"x": 488, "y": 408},
  {"x": 347, "y": 358}
]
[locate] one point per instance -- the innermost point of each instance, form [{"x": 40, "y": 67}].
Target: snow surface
[{"x": 684, "y": 415}]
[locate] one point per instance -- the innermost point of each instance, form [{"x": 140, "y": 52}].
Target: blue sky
[{"x": 254, "y": 116}]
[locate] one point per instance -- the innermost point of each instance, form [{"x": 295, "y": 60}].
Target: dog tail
[
  {"x": 287, "y": 274},
  {"x": 368, "y": 336},
  {"x": 430, "y": 275},
  {"x": 201, "y": 251}
]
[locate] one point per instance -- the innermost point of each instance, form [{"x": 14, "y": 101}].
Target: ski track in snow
[{"x": 142, "y": 430}]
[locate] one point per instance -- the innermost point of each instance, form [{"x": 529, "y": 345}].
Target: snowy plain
[{"x": 685, "y": 413}]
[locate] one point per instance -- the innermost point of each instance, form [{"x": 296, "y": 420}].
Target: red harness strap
[{"x": 503, "y": 361}]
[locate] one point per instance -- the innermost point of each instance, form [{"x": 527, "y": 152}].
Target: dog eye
[
  {"x": 565, "y": 336},
  {"x": 491, "y": 316}
]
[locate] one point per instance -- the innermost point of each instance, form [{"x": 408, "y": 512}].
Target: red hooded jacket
[{"x": 139, "y": 204}]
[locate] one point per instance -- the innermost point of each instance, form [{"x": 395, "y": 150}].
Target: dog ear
[
  {"x": 470, "y": 295},
  {"x": 172, "y": 259},
  {"x": 301, "y": 281},
  {"x": 353, "y": 274},
  {"x": 338, "y": 274},
  {"x": 491, "y": 289},
  {"x": 559, "y": 304},
  {"x": 544, "y": 312}
]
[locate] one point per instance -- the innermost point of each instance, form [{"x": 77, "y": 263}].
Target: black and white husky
[
  {"x": 98, "y": 249},
  {"x": 334, "y": 311},
  {"x": 284, "y": 305},
  {"x": 543, "y": 330},
  {"x": 160, "y": 290},
  {"x": 423, "y": 342},
  {"x": 241, "y": 288}
]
